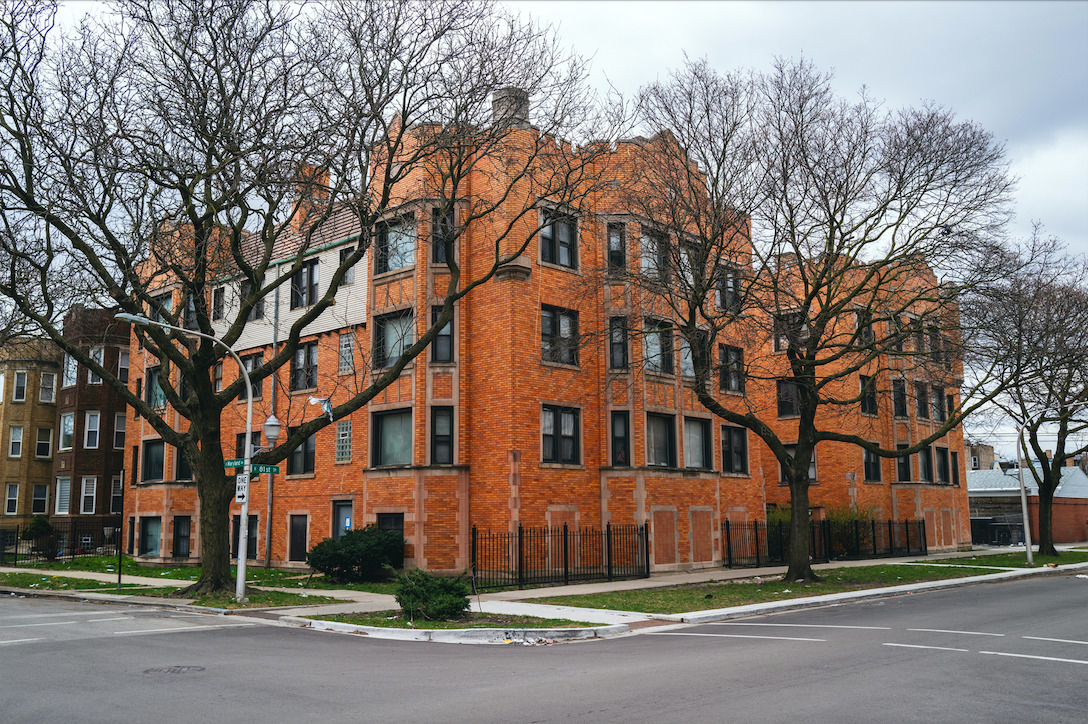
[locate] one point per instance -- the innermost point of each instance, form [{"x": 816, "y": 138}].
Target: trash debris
[
  {"x": 538, "y": 641},
  {"x": 1082, "y": 575}
]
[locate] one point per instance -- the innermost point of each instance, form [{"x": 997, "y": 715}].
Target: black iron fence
[
  {"x": 533, "y": 556},
  {"x": 761, "y": 544},
  {"x": 68, "y": 539}
]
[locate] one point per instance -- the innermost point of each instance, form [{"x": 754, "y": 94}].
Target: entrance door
[
  {"x": 297, "y": 550},
  {"x": 341, "y": 517}
]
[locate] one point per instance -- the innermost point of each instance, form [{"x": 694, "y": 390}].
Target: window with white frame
[
  {"x": 396, "y": 245},
  {"x": 119, "y": 431},
  {"x": 43, "y": 446},
  {"x": 15, "y": 441},
  {"x": 346, "y": 357},
  {"x": 91, "y": 422},
  {"x": 117, "y": 495},
  {"x": 47, "y": 391},
  {"x": 122, "y": 366},
  {"x": 560, "y": 435},
  {"x": 11, "y": 502},
  {"x": 349, "y": 273},
  {"x": 697, "y": 444},
  {"x": 343, "y": 441},
  {"x": 98, "y": 356},
  {"x": 304, "y": 285},
  {"x": 18, "y": 389},
  {"x": 63, "y": 496},
  {"x": 67, "y": 431},
  {"x": 69, "y": 371},
  {"x": 86, "y": 505},
  {"x": 217, "y": 377}
]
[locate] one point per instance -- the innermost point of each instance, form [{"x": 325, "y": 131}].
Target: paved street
[{"x": 1009, "y": 652}]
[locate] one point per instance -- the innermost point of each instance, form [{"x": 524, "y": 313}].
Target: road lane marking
[
  {"x": 99, "y": 620},
  {"x": 182, "y": 628},
  {"x": 935, "y": 648},
  {"x": 965, "y": 633},
  {"x": 48, "y": 623},
  {"x": 731, "y": 636},
  {"x": 18, "y": 641},
  {"x": 801, "y": 625},
  {"x": 53, "y": 615},
  {"x": 1060, "y": 641},
  {"x": 1037, "y": 658}
]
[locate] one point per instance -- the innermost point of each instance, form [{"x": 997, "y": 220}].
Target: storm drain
[{"x": 175, "y": 670}]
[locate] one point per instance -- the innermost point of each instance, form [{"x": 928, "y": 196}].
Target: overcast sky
[{"x": 1020, "y": 69}]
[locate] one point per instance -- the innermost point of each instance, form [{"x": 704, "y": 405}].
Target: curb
[
  {"x": 524, "y": 636},
  {"x": 130, "y": 600}
]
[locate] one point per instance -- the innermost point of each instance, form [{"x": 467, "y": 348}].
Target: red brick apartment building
[{"x": 530, "y": 408}]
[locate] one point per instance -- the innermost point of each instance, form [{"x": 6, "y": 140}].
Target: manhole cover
[{"x": 175, "y": 670}]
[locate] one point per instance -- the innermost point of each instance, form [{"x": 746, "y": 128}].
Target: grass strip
[
  {"x": 1013, "y": 559},
  {"x": 394, "y": 619},
  {"x": 57, "y": 583}
]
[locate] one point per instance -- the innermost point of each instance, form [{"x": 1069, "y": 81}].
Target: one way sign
[{"x": 241, "y": 488}]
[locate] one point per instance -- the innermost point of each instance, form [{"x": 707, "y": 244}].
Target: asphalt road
[{"x": 1010, "y": 652}]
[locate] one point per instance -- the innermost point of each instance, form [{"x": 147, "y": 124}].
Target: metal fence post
[
  {"x": 608, "y": 548},
  {"x": 646, "y": 548},
  {"x": 906, "y": 531},
  {"x": 925, "y": 539},
  {"x": 873, "y": 531},
  {"x": 728, "y": 544},
  {"x": 756, "y": 529},
  {"x": 521, "y": 557},
  {"x": 566, "y": 556}
]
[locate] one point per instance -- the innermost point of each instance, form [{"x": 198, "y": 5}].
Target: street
[{"x": 1009, "y": 652}]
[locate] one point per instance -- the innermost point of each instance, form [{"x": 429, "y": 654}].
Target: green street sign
[
  {"x": 235, "y": 463},
  {"x": 265, "y": 468}
]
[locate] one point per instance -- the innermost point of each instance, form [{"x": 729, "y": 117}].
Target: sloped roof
[{"x": 983, "y": 483}]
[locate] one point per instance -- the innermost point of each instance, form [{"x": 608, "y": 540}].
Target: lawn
[
  {"x": 129, "y": 567},
  {"x": 724, "y": 594},
  {"x": 393, "y": 619},
  {"x": 1013, "y": 559},
  {"x": 58, "y": 583}
]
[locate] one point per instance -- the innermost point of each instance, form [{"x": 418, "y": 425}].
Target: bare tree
[
  {"x": 1032, "y": 328},
  {"x": 177, "y": 144},
  {"x": 827, "y": 240}
]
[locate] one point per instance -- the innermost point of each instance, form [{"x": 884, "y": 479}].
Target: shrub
[
  {"x": 358, "y": 555},
  {"x": 436, "y": 598}
]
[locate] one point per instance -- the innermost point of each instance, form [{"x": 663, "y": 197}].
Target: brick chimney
[{"x": 510, "y": 107}]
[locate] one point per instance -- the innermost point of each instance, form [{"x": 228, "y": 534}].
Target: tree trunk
[
  {"x": 1045, "y": 534},
  {"x": 216, "y": 492},
  {"x": 800, "y": 563}
]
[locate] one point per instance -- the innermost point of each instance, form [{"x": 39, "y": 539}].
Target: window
[
  {"x": 304, "y": 285},
  {"x": 441, "y": 436},
  {"x": 955, "y": 468},
  {"x": 657, "y": 347},
  {"x": 393, "y": 438},
  {"x": 941, "y": 454},
  {"x": 792, "y": 450},
  {"x": 40, "y": 503},
  {"x": 734, "y": 450},
  {"x": 560, "y": 437},
  {"x": 442, "y": 235},
  {"x": 950, "y": 409},
  {"x": 731, "y": 361},
  {"x": 728, "y": 283},
  {"x": 654, "y": 256},
  {"x": 156, "y": 396},
  {"x": 938, "y": 404},
  {"x": 91, "y": 422},
  {"x": 117, "y": 495},
  {"x": 257, "y": 310},
  {"x": 217, "y": 377},
  {"x": 165, "y": 302},
  {"x": 559, "y": 240},
  {"x": 69, "y": 371},
  {"x": 183, "y": 527},
  {"x": 902, "y": 465},
  {"x": 396, "y": 246},
  {"x": 899, "y": 397},
  {"x": 11, "y": 503},
  {"x": 391, "y": 521},
  {"x": 304, "y": 367},
  {"x": 617, "y": 343},
  {"x": 349, "y": 273},
  {"x": 301, "y": 460},
  {"x": 182, "y": 469},
  {"x": 43, "y": 447},
  {"x": 921, "y": 398},
  {"x": 252, "y": 362},
  {"x": 790, "y": 331},
  {"x": 218, "y": 302},
  {"x": 154, "y": 460},
  {"x": 86, "y": 505},
  {"x": 621, "y": 438},
  {"x": 394, "y": 333},
  {"x": 343, "y": 441},
  {"x": 868, "y": 396},
  {"x": 345, "y": 360},
  {"x": 442, "y": 346},
  {"x": 974, "y": 462},
  {"x": 67, "y": 431},
  {"x": 122, "y": 366},
  {"x": 687, "y": 359},
  {"x": 871, "y": 463},
  {"x": 150, "y": 535},
  {"x": 660, "y": 440},
  {"x": 559, "y": 335},
  {"x": 188, "y": 320},
  {"x": 864, "y": 322},
  {"x": 341, "y": 517},
  {"x": 925, "y": 464},
  {"x": 18, "y": 390},
  {"x": 47, "y": 392},
  {"x": 789, "y": 399},
  {"x": 63, "y": 497},
  {"x": 617, "y": 248},
  {"x": 119, "y": 431},
  {"x": 697, "y": 444},
  {"x": 15, "y": 441}
]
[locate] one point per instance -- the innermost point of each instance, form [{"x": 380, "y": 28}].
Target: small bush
[
  {"x": 358, "y": 555},
  {"x": 38, "y": 527},
  {"x": 436, "y": 598},
  {"x": 850, "y": 513}
]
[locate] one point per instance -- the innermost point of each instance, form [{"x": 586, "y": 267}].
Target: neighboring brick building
[{"x": 553, "y": 398}]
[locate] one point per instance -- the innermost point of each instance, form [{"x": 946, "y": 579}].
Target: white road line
[
  {"x": 18, "y": 641},
  {"x": 935, "y": 648},
  {"x": 1037, "y": 658},
  {"x": 801, "y": 625},
  {"x": 965, "y": 633},
  {"x": 731, "y": 636},
  {"x": 53, "y": 615},
  {"x": 99, "y": 620},
  {"x": 49, "y": 623},
  {"x": 1060, "y": 641},
  {"x": 182, "y": 628}
]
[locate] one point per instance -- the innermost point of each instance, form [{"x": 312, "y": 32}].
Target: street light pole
[{"x": 243, "y": 522}]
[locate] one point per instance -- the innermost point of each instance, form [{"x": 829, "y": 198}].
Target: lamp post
[{"x": 272, "y": 431}]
